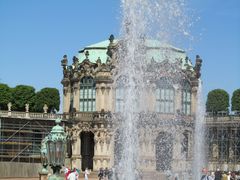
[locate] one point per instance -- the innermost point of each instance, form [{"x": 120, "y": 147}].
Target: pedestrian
[
  {"x": 100, "y": 174},
  {"x": 86, "y": 173},
  {"x": 229, "y": 176},
  {"x": 106, "y": 173},
  {"x": 218, "y": 174},
  {"x": 110, "y": 174},
  {"x": 205, "y": 175}
]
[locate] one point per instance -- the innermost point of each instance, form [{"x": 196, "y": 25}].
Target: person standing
[
  {"x": 110, "y": 174},
  {"x": 218, "y": 174},
  {"x": 100, "y": 174},
  {"x": 86, "y": 173},
  {"x": 106, "y": 173},
  {"x": 205, "y": 175}
]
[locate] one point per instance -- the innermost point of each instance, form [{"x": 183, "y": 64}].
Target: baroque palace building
[
  {"x": 92, "y": 105},
  {"x": 92, "y": 102}
]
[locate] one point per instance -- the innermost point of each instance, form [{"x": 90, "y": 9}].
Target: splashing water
[
  {"x": 198, "y": 156},
  {"x": 148, "y": 25}
]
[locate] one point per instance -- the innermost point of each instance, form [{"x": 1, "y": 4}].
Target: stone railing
[
  {"x": 221, "y": 119},
  {"x": 81, "y": 116},
  {"x": 29, "y": 115}
]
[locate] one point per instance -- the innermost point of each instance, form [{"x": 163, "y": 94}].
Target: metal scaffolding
[
  {"x": 223, "y": 135},
  {"x": 20, "y": 138}
]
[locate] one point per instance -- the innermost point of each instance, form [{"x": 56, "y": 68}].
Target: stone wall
[{"x": 13, "y": 169}]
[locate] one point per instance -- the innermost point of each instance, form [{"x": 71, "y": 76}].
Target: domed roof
[{"x": 155, "y": 50}]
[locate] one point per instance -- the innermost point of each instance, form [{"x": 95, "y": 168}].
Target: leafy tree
[
  {"x": 22, "y": 95},
  {"x": 236, "y": 100},
  {"x": 217, "y": 100},
  {"x": 5, "y": 96},
  {"x": 48, "y": 96}
]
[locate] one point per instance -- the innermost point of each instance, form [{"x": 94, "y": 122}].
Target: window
[
  {"x": 119, "y": 99},
  {"x": 87, "y": 95},
  {"x": 186, "y": 99},
  {"x": 165, "y": 100}
]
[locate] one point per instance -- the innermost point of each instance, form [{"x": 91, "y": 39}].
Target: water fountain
[{"x": 157, "y": 84}]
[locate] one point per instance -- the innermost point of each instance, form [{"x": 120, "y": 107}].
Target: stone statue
[
  {"x": 215, "y": 151},
  {"x": 27, "y": 107},
  {"x": 9, "y": 106},
  {"x": 45, "y": 108},
  {"x": 197, "y": 67}
]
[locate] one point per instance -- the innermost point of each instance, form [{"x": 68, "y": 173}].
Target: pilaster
[
  {"x": 76, "y": 147},
  {"x": 194, "y": 100},
  {"x": 110, "y": 99},
  {"x": 98, "y": 98},
  {"x": 178, "y": 99},
  {"x": 102, "y": 150},
  {"x": 76, "y": 96},
  {"x": 66, "y": 99}
]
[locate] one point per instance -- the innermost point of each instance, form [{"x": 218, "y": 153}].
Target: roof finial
[{"x": 86, "y": 54}]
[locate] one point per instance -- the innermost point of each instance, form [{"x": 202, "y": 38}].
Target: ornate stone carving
[
  {"x": 64, "y": 61},
  {"x": 75, "y": 132},
  {"x": 197, "y": 67},
  {"x": 111, "y": 48},
  {"x": 85, "y": 126}
]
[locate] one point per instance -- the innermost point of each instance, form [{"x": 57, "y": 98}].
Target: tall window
[
  {"x": 186, "y": 99},
  {"x": 165, "y": 99},
  {"x": 87, "y": 95},
  {"x": 119, "y": 99}
]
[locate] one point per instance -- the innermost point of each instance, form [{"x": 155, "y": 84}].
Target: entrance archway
[
  {"x": 87, "y": 149},
  {"x": 164, "y": 151}
]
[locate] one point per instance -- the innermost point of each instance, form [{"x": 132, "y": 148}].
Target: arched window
[
  {"x": 164, "y": 97},
  {"x": 87, "y": 95},
  {"x": 186, "y": 99}
]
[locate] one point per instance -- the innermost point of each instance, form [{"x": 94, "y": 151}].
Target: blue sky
[{"x": 34, "y": 35}]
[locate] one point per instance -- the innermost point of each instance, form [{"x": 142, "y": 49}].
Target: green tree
[
  {"x": 5, "y": 96},
  {"x": 217, "y": 100},
  {"x": 236, "y": 100},
  {"x": 22, "y": 95},
  {"x": 48, "y": 96}
]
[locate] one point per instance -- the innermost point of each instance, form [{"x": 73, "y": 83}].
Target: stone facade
[{"x": 97, "y": 124}]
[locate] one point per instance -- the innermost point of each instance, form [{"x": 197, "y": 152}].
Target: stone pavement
[{"x": 37, "y": 178}]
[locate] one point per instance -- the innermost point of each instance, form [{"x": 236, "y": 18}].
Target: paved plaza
[{"x": 37, "y": 178}]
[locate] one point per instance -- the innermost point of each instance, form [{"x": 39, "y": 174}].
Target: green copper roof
[
  {"x": 156, "y": 50},
  {"x": 98, "y": 50}
]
